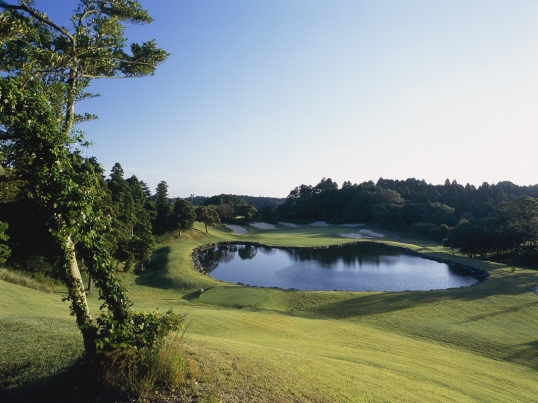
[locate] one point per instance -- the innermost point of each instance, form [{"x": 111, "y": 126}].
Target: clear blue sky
[{"x": 258, "y": 97}]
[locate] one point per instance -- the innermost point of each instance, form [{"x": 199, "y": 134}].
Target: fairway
[{"x": 264, "y": 345}]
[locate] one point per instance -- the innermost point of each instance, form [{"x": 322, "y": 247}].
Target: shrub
[{"x": 139, "y": 358}]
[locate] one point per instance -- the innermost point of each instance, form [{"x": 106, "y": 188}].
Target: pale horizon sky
[{"x": 259, "y": 97}]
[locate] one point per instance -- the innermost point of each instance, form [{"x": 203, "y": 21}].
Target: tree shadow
[
  {"x": 380, "y": 303},
  {"x": 526, "y": 352},
  {"x": 154, "y": 274},
  {"x": 195, "y": 294},
  {"x": 78, "y": 384},
  {"x": 499, "y": 312}
]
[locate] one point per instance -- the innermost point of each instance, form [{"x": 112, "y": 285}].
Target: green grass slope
[{"x": 263, "y": 345}]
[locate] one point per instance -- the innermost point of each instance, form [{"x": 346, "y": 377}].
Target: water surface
[{"x": 356, "y": 267}]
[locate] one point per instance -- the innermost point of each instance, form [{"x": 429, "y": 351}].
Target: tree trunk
[
  {"x": 90, "y": 282},
  {"x": 77, "y": 280},
  {"x": 79, "y": 302}
]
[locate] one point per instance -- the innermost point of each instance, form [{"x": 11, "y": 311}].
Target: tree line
[{"x": 492, "y": 219}]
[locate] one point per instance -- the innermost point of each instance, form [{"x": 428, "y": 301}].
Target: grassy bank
[{"x": 252, "y": 344}]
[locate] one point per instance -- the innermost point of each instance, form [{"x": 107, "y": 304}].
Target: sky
[{"x": 258, "y": 97}]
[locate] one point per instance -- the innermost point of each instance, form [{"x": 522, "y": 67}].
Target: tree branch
[{"x": 38, "y": 16}]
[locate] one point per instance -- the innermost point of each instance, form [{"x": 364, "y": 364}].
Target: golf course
[{"x": 253, "y": 344}]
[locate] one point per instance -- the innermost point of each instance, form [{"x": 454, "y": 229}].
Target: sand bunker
[
  {"x": 354, "y": 235},
  {"x": 289, "y": 224},
  {"x": 351, "y": 225},
  {"x": 363, "y": 233},
  {"x": 237, "y": 229},
  {"x": 263, "y": 225},
  {"x": 371, "y": 233},
  {"x": 319, "y": 224}
]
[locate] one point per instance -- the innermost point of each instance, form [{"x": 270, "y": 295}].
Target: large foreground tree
[{"x": 46, "y": 68}]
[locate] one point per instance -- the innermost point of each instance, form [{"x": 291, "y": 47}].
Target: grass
[
  {"x": 43, "y": 284},
  {"x": 262, "y": 345}
]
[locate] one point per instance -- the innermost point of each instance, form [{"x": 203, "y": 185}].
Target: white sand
[
  {"x": 289, "y": 224},
  {"x": 262, "y": 225},
  {"x": 353, "y": 235},
  {"x": 237, "y": 229},
  {"x": 319, "y": 224},
  {"x": 371, "y": 233},
  {"x": 351, "y": 225}
]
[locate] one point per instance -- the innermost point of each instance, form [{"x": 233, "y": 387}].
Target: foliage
[
  {"x": 433, "y": 231},
  {"x": 161, "y": 223},
  {"x": 268, "y": 214},
  {"x": 167, "y": 367},
  {"x": 207, "y": 215},
  {"x": 248, "y": 212},
  {"x": 47, "y": 68},
  {"x": 229, "y": 199},
  {"x": 183, "y": 216},
  {"x": 142, "y": 332},
  {"x": 4, "y": 249}
]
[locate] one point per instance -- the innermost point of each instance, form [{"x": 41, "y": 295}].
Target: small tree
[
  {"x": 183, "y": 216},
  {"x": 162, "y": 220},
  {"x": 207, "y": 215}
]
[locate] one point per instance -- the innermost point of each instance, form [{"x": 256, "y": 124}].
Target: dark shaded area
[
  {"x": 32, "y": 247},
  {"x": 154, "y": 274},
  {"x": 77, "y": 384},
  {"x": 375, "y": 304},
  {"x": 529, "y": 350}
]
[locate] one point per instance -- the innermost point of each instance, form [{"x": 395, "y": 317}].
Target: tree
[
  {"x": 207, "y": 215},
  {"x": 268, "y": 213},
  {"x": 46, "y": 70},
  {"x": 183, "y": 216},
  {"x": 248, "y": 212},
  {"x": 124, "y": 217},
  {"x": 218, "y": 200},
  {"x": 4, "y": 250},
  {"x": 225, "y": 211},
  {"x": 162, "y": 220},
  {"x": 142, "y": 244}
]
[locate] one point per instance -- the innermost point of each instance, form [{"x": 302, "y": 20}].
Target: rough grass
[
  {"x": 268, "y": 345},
  {"x": 18, "y": 278}
]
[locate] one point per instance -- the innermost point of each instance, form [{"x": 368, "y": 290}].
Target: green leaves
[
  {"x": 4, "y": 250},
  {"x": 47, "y": 69}
]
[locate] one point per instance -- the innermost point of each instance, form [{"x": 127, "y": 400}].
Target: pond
[{"x": 353, "y": 267}]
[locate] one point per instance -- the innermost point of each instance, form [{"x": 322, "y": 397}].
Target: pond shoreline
[{"x": 479, "y": 274}]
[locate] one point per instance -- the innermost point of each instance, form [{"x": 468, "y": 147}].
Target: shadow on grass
[
  {"x": 374, "y": 304},
  {"x": 77, "y": 384},
  {"x": 499, "y": 312},
  {"x": 195, "y": 295},
  {"x": 155, "y": 272},
  {"x": 526, "y": 351}
]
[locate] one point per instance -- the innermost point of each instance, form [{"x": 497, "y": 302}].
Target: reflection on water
[{"x": 359, "y": 267}]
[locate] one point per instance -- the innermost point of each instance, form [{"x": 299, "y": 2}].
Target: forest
[{"x": 491, "y": 221}]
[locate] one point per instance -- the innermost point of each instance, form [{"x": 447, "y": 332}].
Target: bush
[
  {"x": 140, "y": 357},
  {"x": 167, "y": 367}
]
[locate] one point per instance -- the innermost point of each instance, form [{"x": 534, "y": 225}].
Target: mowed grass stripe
[{"x": 366, "y": 359}]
